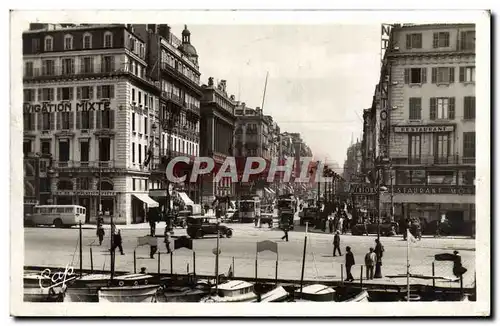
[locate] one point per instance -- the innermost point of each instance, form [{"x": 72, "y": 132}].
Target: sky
[{"x": 321, "y": 77}]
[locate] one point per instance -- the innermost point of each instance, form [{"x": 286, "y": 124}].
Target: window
[
  {"x": 467, "y": 74},
  {"x": 26, "y": 147},
  {"x": 441, "y": 147},
  {"x": 133, "y": 152},
  {"x": 87, "y": 41},
  {"x": 47, "y": 94},
  {"x": 108, "y": 64},
  {"x": 466, "y": 178},
  {"x": 139, "y": 150},
  {"x": 65, "y": 123},
  {"x": 106, "y": 119},
  {"x": 441, "y": 177},
  {"x": 443, "y": 75},
  {"x": 414, "y": 41},
  {"x": 86, "y": 119},
  {"x": 64, "y": 150},
  {"x": 68, "y": 66},
  {"x": 415, "y": 75},
  {"x": 68, "y": 42},
  {"x": 28, "y": 69},
  {"x": 133, "y": 95},
  {"x": 468, "y": 40},
  {"x": 442, "y": 108},
  {"x": 469, "y": 107},
  {"x": 83, "y": 183},
  {"x": 46, "y": 121},
  {"x": 415, "y": 108},
  {"x": 145, "y": 126},
  {"x": 29, "y": 95},
  {"x": 145, "y": 99},
  {"x": 104, "y": 149},
  {"x": 133, "y": 121},
  {"x": 85, "y": 93},
  {"x": 87, "y": 65},
  {"x": 48, "y": 68},
  {"x": 48, "y": 45},
  {"x": 132, "y": 44},
  {"x": 133, "y": 184},
  {"x": 84, "y": 150},
  {"x": 35, "y": 45},
  {"x": 45, "y": 146},
  {"x": 28, "y": 121},
  {"x": 108, "y": 40},
  {"x": 418, "y": 177},
  {"x": 139, "y": 96},
  {"x": 469, "y": 144},
  {"x": 414, "y": 150},
  {"x": 106, "y": 91},
  {"x": 65, "y": 94},
  {"x": 441, "y": 40}
]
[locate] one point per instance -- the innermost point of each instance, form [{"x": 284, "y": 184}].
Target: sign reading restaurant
[
  {"x": 435, "y": 190},
  {"x": 66, "y": 106},
  {"x": 420, "y": 129}
]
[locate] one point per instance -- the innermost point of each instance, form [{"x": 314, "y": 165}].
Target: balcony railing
[
  {"x": 82, "y": 164},
  {"x": 171, "y": 96},
  {"x": 433, "y": 160}
]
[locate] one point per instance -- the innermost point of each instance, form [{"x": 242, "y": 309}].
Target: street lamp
[{"x": 51, "y": 173}]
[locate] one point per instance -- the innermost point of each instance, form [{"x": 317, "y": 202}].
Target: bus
[{"x": 58, "y": 215}]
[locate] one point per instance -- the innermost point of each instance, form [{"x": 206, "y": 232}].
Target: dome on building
[{"x": 186, "y": 46}]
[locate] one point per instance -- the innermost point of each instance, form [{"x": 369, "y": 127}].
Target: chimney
[{"x": 164, "y": 31}]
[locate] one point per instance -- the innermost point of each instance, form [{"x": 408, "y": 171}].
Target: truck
[{"x": 287, "y": 207}]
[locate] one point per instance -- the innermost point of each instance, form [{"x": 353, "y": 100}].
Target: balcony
[
  {"x": 192, "y": 83},
  {"x": 56, "y": 72},
  {"x": 66, "y": 166},
  {"x": 173, "y": 98},
  {"x": 433, "y": 160}
]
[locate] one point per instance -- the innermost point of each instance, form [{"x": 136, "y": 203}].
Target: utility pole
[{"x": 392, "y": 194}]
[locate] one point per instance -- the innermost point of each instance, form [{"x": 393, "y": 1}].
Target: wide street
[{"x": 58, "y": 247}]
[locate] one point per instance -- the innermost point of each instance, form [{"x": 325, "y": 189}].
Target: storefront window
[
  {"x": 441, "y": 177},
  {"x": 402, "y": 177},
  {"x": 107, "y": 206},
  {"x": 466, "y": 178},
  {"x": 418, "y": 177}
]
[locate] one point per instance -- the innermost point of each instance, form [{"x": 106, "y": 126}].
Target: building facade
[
  {"x": 425, "y": 111},
  {"x": 216, "y": 131}
]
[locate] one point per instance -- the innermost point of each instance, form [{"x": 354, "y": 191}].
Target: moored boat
[
  {"x": 315, "y": 293},
  {"x": 278, "y": 294},
  {"x": 182, "y": 289},
  {"x": 233, "y": 291},
  {"x": 85, "y": 288},
  {"x": 38, "y": 288},
  {"x": 129, "y": 288},
  {"x": 362, "y": 296}
]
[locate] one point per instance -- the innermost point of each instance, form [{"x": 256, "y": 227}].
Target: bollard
[
  {"x": 342, "y": 274},
  {"x": 91, "y": 261},
  {"x": 187, "y": 268},
  {"x": 171, "y": 263},
  {"x": 159, "y": 263},
  {"x": 361, "y": 277},
  {"x": 433, "y": 277},
  {"x": 194, "y": 263},
  {"x": 135, "y": 263}
]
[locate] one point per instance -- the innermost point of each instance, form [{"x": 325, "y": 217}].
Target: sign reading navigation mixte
[{"x": 66, "y": 106}]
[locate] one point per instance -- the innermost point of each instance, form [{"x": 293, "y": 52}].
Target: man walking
[
  {"x": 152, "y": 221},
  {"x": 100, "y": 229},
  {"x": 117, "y": 239},
  {"x": 285, "y": 229},
  {"x": 167, "y": 241},
  {"x": 379, "y": 251},
  {"x": 370, "y": 259},
  {"x": 349, "y": 262},
  {"x": 336, "y": 244}
]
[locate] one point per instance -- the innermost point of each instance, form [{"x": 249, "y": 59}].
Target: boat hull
[
  {"x": 82, "y": 294},
  {"x": 248, "y": 297},
  {"x": 139, "y": 293},
  {"x": 181, "y": 295},
  {"x": 361, "y": 297}
]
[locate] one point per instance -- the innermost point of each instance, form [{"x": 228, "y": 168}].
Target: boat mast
[
  {"x": 303, "y": 259},
  {"x": 408, "y": 264},
  {"x": 217, "y": 251}
]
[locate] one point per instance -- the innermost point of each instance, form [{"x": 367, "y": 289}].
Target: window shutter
[
  {"x": 433, "y": 108},
  {"x": 419, "y": 108},
  {"x": 32, "y": 121},
  {"x": 91, "y": 119},
  {"x": 112, "y": 63},
  {"x": 98, "y": 119},
  {"x": 82, "y": 65},
  {"x": 71, "y": 95},
  {"x": 407, "y": 75},
  {"x": 472, "y": 102},
  {"x": 112, "y": 91},
  {"x": 423, "y": 75},
  {"x": 39, "y": 122},
  {"x": 59, "y": 93},
  {"x": 463, "y": 36},
  {"x": 99, "y": 92},
  {"x": 72, "y": 66},
  {"x": 435, "y": 40},
  {"x": 59, "y": 118},
  {"x": 434, "y": 75},
  {"x": 78, "y": 93},
  {"x": 452, "y": 74},
  {"x": 91, "y": 92},
  {"x": 52, "y": 122},
  {"x": 71, "y": 120},
  {"x": 39, "y": 92},
  {"x": 79, "y": 120},
  {"x": 451, "y": 108},
  {"x": 112, "y": 119},
  {"x": 461, "y": 77},
  {"x": 408, "y": 41}
]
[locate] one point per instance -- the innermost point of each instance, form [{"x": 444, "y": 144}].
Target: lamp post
[{"x": 51, "y": 173}]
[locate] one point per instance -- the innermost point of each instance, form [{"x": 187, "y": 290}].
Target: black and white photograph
[{"x": 250, "y": 163}]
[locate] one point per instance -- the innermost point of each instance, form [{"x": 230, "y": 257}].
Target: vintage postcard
[{"x": 325, "y": 163}]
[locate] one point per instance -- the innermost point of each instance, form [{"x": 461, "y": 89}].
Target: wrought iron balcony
[
  {"x": 432, "y": 160},
  {"x": 84, "y": 164}
]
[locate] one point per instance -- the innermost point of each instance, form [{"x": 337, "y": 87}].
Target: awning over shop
[
  {"x": 268, "y": 190},
  {"x": 272, "y": 191},
  {"x": 185, "y": 198},
  {"x": 146, "y": 199}
]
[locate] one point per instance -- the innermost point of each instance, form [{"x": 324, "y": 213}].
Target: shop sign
[
  {"x": 66, "y": 106},
  {"x": 30, "y": 201},
  {"x": 362, "y": 189},
  {"x": 104, "y": 193},
  {"x": 422, "y": 129},
  {"x": 435, "y": 190}
]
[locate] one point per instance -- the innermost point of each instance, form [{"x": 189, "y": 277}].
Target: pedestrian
[
  {"x": 100, "y": 229},
  {"x": 117, "y": 239},
  {"x": 341, "y": 223},
  {"x": 167, "y": 241},
  {"x": 152, "y": 251},
  {"x": 336, "y": 244},
  {"x": 143, "y": 270},
  {"x": 458, "y": 269},
  {"x": 370, "y": 259},
  {"x": 285, "y": 228},
  {"x": 379, "y": 251},
  {"x": 330, "y": 223},
  {"x": 349, "y": 262},
  {"x": 152, "y": 221}
]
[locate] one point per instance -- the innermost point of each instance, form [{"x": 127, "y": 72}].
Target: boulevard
[{"x": 59, "y": 247}]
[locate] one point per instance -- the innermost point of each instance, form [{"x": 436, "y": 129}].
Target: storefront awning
[
  {"x": 268, "y": 191},
  {"x": 185, "y": 198},
  {"x": 272, "y": 191},
  {"x": 146, "y": 199}
]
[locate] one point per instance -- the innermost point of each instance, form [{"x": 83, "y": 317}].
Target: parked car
[
  {"x": 308, "y": 214},
  {"x": 386, "y": 228},
  {"x": 198, "y": 227}
]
